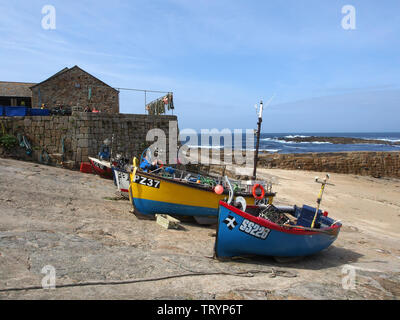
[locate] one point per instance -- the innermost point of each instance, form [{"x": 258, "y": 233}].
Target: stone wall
[
  {"x": 375, "y": 164},
  {"x": 70, "y": 88},
  {"x": 83, "y": 133}
]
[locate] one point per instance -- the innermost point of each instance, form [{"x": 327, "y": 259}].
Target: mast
[{"x": 258, "y": 141}]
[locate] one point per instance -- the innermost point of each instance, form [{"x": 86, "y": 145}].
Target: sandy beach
[{"x": 74, "y": 222}]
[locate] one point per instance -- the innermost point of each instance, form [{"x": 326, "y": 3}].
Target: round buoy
[
  {"x": 258, "y": 197},
  {"x": 219, "y": 189}
]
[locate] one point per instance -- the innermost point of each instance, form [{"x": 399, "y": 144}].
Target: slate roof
[
  {"x": 15, "y": 89},
  {"x": 67, "y": 70}
]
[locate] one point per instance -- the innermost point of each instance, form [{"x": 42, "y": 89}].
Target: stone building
[
  {"x": 74, "y": 87},
  {"x": 69, "y": 140},
  {"x": 13, "y": 94}
]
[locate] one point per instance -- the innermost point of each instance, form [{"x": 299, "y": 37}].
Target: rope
[
  {"x": 2, "y": 128},
  {"x": 205, "y": 180},
  {"x": 191, "y": 274},
  {"x": 62, "y": 148},
  {"x": 250, "y": 273},
  {"x": 142, "y": 90},
  {"x": 130, "y": 89},
  {"x": 141, "y": 157},
  {"x": 27, "y": 145},
  {"x": 46, "y": 157},
  {"x": 23, "y": 142}
]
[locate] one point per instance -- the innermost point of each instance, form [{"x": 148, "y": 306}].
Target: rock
[{"x": 338, "y": 140}]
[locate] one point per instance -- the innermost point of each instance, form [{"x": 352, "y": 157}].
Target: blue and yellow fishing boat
[{"x": 153, "y": 193}]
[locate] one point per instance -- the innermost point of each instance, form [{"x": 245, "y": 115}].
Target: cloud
[{"x": 219, "y": 57}]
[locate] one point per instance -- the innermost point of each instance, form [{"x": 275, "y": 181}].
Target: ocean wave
[
  {"x": 296, "y": 136},
  {"x": 295, "y": 147},
  {"x": 295, "y": 142},
  {"x": 265, "y": 150},
  {"x": 205, "y": 147},
  {"x": 262, "y": 149},
  {"x": 247, "y": 149},
  {"x": 387, "y": 139},
  {"x": 273, "y": 140},
  {"x": 320, "y": 142}
]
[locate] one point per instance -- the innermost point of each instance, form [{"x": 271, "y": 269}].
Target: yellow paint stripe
[{"x": 179, "y": 194}]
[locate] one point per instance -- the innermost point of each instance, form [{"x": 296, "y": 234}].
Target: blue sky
[{"x": 221, "y": 57}]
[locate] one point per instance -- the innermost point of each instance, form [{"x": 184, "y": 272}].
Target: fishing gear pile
[
  {"x": 273, "y": 214},
  {"x": 158, "y": 106}
]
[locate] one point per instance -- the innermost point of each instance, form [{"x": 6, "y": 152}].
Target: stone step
[
  {"x": 56, "y": 157},
  {"x": 69, "y": 164}
]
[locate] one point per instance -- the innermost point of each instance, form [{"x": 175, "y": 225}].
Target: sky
[{"x": 222, "y": 57}]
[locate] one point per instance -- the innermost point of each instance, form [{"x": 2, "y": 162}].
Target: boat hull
[
  {"x": 151, "y": 195},
  {"x": 101, "y": 168},
  {"x": 122, "y": 181},
  {"x": 240, "y": 233}
]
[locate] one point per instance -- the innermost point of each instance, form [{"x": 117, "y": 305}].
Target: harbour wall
[
  {"x": 375, "y": 164},
  {"x": 71, "y": 139},
  {"x": 364, "y": 163}
]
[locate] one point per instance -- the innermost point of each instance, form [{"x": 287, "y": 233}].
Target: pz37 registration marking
[
  {"x": 254, "y": 229},
  {"x": 147, "y": 181}
]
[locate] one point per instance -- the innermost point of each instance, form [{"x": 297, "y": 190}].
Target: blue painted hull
[
  {"x": 234, "y": 236},
  {"x": 159, "y": 207}
]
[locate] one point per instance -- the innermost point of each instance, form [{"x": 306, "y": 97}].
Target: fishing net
[{"x": 273, "y": 214}]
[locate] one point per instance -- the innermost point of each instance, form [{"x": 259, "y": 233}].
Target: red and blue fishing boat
[{"x": 273, "y": 231}]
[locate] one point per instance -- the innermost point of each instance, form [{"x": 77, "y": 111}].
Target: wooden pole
[
  {"x": 258, "y": 141},
  {"x": 145, "y": 101},
  {"x": 321, "y": 192}
]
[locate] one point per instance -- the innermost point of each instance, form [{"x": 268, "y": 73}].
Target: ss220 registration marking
[
  {"x": 147, "y": 181},
  {"x": 254, "y": 229}
]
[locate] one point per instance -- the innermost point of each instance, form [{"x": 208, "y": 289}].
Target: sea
[{"x": 269, "y": 142}]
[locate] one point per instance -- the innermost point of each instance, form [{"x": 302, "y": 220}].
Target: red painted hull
[{"x": 101, "y": 169}]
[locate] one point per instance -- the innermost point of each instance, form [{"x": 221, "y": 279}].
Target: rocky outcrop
[
  {"x": 375, "y": 164},
  {"x": 338, "y": 140}
]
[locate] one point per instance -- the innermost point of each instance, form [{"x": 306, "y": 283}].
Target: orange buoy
[
  {"x": 219, "y": 189},
  {"x": 258, "y": 186}
]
